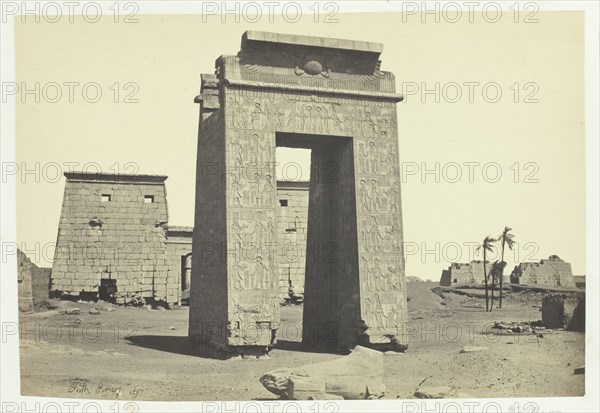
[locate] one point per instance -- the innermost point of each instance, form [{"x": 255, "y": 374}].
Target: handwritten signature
[{"x": 83, "y": 386}]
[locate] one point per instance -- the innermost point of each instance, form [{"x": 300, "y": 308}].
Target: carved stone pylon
[{"x": 330, "y": 96}]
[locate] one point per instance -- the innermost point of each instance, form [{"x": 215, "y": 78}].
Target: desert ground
[{"x": 135, "y": 353}]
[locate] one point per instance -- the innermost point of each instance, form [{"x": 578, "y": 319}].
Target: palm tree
[
  {"x": 493, "y": 275},
  {"x": 486, "y": 246},
  {"x": 507, "y": 239},
  {"x": 496, "y": 274}
]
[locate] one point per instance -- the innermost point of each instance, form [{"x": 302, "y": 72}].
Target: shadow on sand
[
  {"x": 170, "y": 344},
  {"x": 298, "y": 346},
  {"x": 182, "y": 345}
]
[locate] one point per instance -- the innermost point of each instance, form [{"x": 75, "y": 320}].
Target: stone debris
[
  {"x": 518, "y": 327},
  {"x": 438, "y": 392},
  {"x": 473, "y": 349},
  {"x": 74, "y": 323},
  {"x": 94, "y": 311},
  {"x": 513, "y": 327},
  {"x": 356, "y": 376},
  {"x": 73, "y": 311},
  {"x": 109, "y": 309}
]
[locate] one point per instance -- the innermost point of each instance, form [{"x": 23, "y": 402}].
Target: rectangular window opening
[
  {"x": 148, "y": 199},
  {"x": 283, "y": 202},
  {"x": 105, "y": 198}
]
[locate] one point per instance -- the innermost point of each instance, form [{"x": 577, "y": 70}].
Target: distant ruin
[
  {"x": 551, "y": 272},
  {"x": 33, "y": 282},
  {"x": 465, "y": 273},
  {"x": 24, "y": 278}
]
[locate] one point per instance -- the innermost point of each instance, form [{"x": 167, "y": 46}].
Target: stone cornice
[{"x": 360, "y": 94}]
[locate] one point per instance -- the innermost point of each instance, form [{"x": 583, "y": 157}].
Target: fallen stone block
[
  {"x": 94, "y": 311},
  {"x": 73, "y": 311},
  {"x": 356, "y": 376},
  {"x": 439, "y": 392},
  {"x": 473, "y": 349}
]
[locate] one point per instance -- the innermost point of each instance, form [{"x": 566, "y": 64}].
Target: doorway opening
[
  {"x": 329, "y": 246},
  {"x": 293, "y": 175},
  {"x": 107, "y": 290}
]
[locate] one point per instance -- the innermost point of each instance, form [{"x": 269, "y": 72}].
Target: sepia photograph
[{"x": 300, "y": 206}]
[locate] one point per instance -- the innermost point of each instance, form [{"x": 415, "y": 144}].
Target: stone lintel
[
  {"x": 275, "y": 87},
  {"x": 257, "y": 37}
]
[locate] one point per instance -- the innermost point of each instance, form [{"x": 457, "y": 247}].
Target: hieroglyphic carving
[
  {"x": 317, "y": 91},
  {"x": 252, "y": 249},
  {"x": 383, "y": 272},
  {"x": 310, "y": 114},
  {"x": 250, "y": 169},
  {"x": 252, "y": 275},
  {"x": 380, "y": 234},
  {"x": 378, "y": 195},
  {"x": 377, "y": 157}
]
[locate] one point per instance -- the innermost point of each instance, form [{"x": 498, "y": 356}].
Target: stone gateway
[{"x": 329, "y": 96}]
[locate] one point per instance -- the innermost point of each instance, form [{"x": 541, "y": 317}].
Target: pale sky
[{"x": 164, "y": 55}]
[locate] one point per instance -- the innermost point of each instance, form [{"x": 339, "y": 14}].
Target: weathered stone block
[{"x": 553, "y": 310}]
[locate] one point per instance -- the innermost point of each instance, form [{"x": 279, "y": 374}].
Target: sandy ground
[{"x": 139, "y": 354}]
